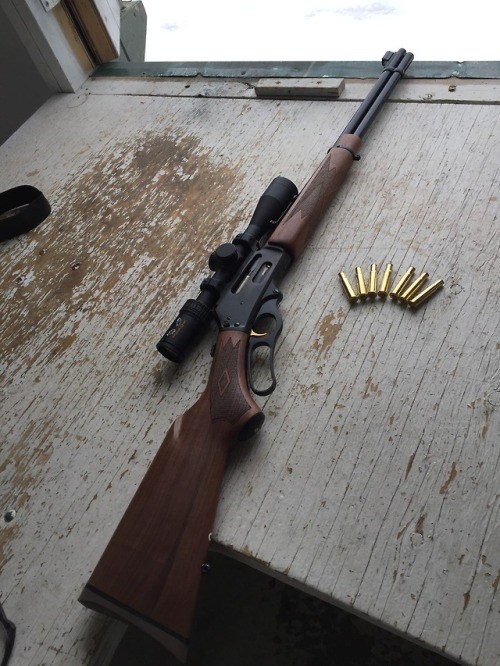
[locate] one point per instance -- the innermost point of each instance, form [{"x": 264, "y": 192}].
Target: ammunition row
[{"x": 404, "y": 291}]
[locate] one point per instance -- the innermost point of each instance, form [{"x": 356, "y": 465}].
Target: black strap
[
  {"x": 10, "y": 631},
  {"x": 21, "y": 209}
]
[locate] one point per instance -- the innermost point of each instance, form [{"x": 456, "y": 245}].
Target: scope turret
[{"x": 195, "y": 315}]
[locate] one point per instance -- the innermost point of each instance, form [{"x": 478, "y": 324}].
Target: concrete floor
[{"x": 246, "y": 618}]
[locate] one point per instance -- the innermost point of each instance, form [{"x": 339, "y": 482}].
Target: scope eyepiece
[{"x": 191, "y": 321}]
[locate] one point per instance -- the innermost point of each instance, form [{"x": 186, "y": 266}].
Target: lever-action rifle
[{"x": 149, "y": 574}]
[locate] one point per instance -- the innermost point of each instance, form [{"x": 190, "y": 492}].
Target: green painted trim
[{"x": 362, "y": 69}]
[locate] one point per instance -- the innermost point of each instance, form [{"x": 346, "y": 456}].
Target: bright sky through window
[{"x": 330, "y": 30}]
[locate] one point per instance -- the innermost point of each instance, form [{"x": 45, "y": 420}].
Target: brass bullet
[
  {"x": 372, "y": 281},
  {"x": 385, "y": 282},
  {"x": 362, "y": 293},
  {"x": 402, "y": 283},
  {"x": 349, "y": 291},
  {"x": 412, "y": 289},
  {"x": 420, "y": 298}
]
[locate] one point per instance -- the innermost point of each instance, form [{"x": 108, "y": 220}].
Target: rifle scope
[{"x": 195, "y": 314}]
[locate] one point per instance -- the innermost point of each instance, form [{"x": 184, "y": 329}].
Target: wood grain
[
  {"x": 150, "y": 572},
  {"x": 99, "y": 22},
  {"x": 374, "y": 482},
  {"x": 306, "y": 213}
]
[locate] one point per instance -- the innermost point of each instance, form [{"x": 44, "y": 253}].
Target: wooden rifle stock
[
  {"x": 299, "y": 223},
  {"x": 149, "y": 574}
]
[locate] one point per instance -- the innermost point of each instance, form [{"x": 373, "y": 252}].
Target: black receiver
[{"x": 225, "y": 261}]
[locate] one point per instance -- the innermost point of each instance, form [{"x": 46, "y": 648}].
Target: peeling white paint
[{"x": 374, "y": 482}]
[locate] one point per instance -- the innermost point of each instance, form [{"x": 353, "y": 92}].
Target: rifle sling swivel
[{"x": 355, "y": 156}]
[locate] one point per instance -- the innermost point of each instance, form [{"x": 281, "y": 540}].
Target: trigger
[
  {"x": 264, "y": 334},
  {"x": 254, "y": 334}
]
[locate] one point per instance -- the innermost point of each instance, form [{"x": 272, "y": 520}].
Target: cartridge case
[
  {"x": 402, "y": 284},
  {"x": 412, "y": 289},
  {"x": 351, "y": 294},
  {"x": 385, "y": 282},
  {"x": 372, "y": 281},
  {"x": 424, "y": 295},
  {"x": 362, "y": 292}
]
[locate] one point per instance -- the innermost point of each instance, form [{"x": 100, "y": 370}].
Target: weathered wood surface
[
  {"x": 374, "y": 482},
  {"x": 452, "y": 90}
]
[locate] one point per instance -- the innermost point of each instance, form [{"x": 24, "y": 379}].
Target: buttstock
[
  {"x": 149, "y": 574},
  {"x": 299, "y": 223}
]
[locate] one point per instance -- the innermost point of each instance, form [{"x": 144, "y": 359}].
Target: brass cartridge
[
  {"x": 412, "y": 289},
  {"x": 362, "y": 293},
  {"x": 383, "y": 290},
  {"x": 349, "y": 291},
  {"x": 372, "y": 281},
  {"x": 402, "y": 284},
  {"x": 420, "y": 298}
]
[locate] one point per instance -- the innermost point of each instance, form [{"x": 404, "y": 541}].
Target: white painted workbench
[{"x": 375, "y": 482}]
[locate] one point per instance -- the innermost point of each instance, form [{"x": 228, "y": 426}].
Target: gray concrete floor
[{"x": 246, "y": 618}]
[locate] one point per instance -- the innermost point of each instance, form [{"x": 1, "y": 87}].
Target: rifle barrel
[{"x": 394, "y": 69}]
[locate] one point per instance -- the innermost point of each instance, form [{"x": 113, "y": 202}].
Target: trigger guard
[
  {"x": 268, "y": 341},
  {"x": 269, "y": 389}
]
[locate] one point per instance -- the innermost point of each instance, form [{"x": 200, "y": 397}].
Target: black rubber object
[{"x": 21, "y": 209}]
